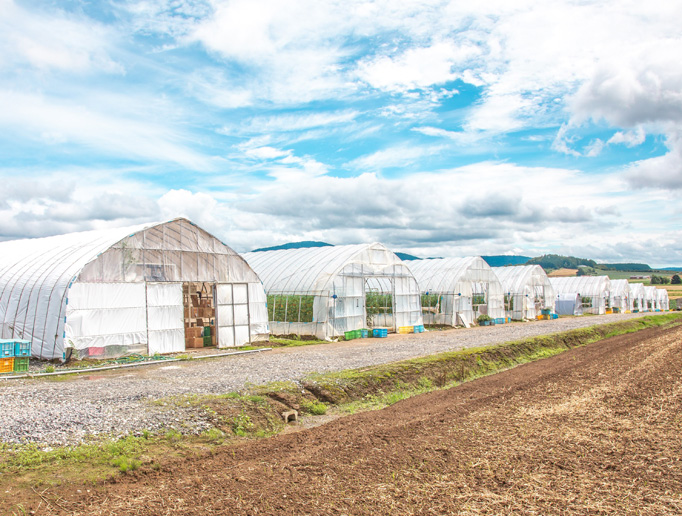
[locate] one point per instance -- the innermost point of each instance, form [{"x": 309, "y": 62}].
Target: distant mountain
[
  {"x": 556, "y": 261},
  {"x": 293, "y": 245},
  {"x": 502, "y": 260},
  {"x": 405, "y": 256},
  {"x": 676, "y": 269}
]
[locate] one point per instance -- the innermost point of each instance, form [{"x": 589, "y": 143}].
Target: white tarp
[
  {"x": 594, "y": 291},
  {"x": 568, "y": 304}
]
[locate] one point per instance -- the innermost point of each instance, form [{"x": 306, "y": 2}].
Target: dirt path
[{"x": 595, "y": 430}]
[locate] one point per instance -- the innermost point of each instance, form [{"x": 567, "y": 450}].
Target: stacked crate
[
  {"x": 380, "y": 333},
  {"x": 14, "y": 355}
]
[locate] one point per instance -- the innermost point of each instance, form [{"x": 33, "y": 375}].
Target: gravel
[{"x": 67, "y": 410}]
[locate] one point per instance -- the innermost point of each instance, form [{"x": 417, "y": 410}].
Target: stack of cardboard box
[{"x": 199, "y": 315}]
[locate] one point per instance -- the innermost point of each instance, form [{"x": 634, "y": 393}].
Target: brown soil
[{"x": 595, "y": 430}]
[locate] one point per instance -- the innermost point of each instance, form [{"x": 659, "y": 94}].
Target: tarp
[
  {"x": 594, "y": 290},
  {"x": 568, "y": 304}
]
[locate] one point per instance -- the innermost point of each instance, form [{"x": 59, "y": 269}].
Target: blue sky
[{"x": 435, "y": 127}]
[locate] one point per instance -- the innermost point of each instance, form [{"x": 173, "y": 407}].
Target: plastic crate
[
  {"x": 555, "y": 316},
  {"x": 406, "y": 329},
  {"x": 419, "y": 328},
  {"x": 20, "y": 364},
  {"x": 546, "y": 311},
  {"x": 364, "y": 333},
  {"x": 6, "y": 348},
  {"x": 380, "y": 333},
  {"x": 208, "y": 341},
  {"x": 207, "y": 331},
  {"x": 349, "y": 335},
  {"x": 499, "y": 320},
  {"x": 6, "y": 365},
  {"x": 22, "y": 348}
]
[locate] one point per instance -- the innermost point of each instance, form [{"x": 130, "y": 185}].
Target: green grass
[{"x": 292, "y": 343}]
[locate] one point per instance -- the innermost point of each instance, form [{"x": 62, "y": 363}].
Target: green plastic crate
[
  {"x": 208, "y": 341},
  {"x": 207, "y": 331},
  {"x": 349, "y": 335},
  {"x": 21, "y": 364}
]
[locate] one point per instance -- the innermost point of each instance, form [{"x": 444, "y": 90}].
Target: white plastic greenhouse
[
  {"x": 662, "y": 302},
  {"x": 326, "y": 291},
  {"x": 638, "y": 294},
  {"x": 621, "y": 296},
  {"x": 145, "y": 289},
  {"x": 527, "y": 291},
  {"x": 593, "y": 291},
  {"x": 650, "y": 299},
  {"x": 455, "y": 291}
]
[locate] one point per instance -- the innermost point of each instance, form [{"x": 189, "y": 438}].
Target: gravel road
[{"x": 68, "y": 410}]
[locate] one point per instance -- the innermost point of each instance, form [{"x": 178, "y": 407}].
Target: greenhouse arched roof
[
  {"x": 583, "y": 285},
  {"x": 311, "y": 269},
  {"x": 443, "y": 274},
  {"x": 515, "y": 279},
  {"x": 620, "y": 287}
]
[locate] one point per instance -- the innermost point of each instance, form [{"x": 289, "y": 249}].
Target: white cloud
[{"x": 398, "y": 156}]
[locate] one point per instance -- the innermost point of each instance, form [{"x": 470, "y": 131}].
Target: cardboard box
[{"x": 194, "y": 342}]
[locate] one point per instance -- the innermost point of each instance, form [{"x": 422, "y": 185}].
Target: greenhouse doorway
[
  {"x": 380, "y": 302},
  {"x": 199, "y": 304}
]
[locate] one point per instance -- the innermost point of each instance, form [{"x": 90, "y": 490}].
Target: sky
[{"x": 439, "y": 128}]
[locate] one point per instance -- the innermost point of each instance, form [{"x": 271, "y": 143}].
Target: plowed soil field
[{"x": 596, "y": 430}]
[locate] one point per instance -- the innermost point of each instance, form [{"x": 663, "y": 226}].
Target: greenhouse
[
  {"x": 456, "y": 291},
  {"x": 662, "y": 302},
  {"x": 593, "y": 291},
  {"x": 650, "y": 297},
  {"x": 621, "y": 298},
  {"x": 154, "y": 288},
  {"x": 568, "y": 304},
  {"x": 527, "y": 291},
  {"x": 637, "y": 295},
  {"x": 326, "y": 291}
]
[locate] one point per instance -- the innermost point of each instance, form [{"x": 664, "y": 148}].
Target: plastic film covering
[
  {"x": 165, "y": 317},
  {"x": 621, "y": 296},
  {"x": 455, "y": 291},
  {"x": 36, "y": 276},
  {"x": 650, "y": 299},
  {"x": 638, "y": 294},
  {"x": 527, "y": 290},
  {"x": 326, "y": 291},
  {"x": 662, "y": 301},
  {"x": 593, "y": 290}
]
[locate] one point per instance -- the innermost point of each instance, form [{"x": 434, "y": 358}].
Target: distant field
[{"x": 563, "y": 272}]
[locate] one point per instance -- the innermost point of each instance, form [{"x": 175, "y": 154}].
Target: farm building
[
  {"x": 455, "y": 291},
  {"x": 527, "y": 290},
  {"x": 621, "y": 297},
  {"x": 568, "y": 304},
  {"x": 146, "y": 289},
  {"x": 638, "y": 294},
  {"x": 662, "y": 302},
  {"x": 650, "y": 297},
  {"x": 326, "y": 291},
  {"x": 593, "y": 291}
]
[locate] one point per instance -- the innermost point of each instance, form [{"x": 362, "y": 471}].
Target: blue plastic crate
[
  {"x": 555, "y": 316},
  {"x": 365, "y": 333},
  {"x": 419, "y": 328},
  {"x": 499, "y": 320},
  {"x": 22, "y": 348},
  {"x": 6, "y": 348},
  {"x": 380, "y": 333}
]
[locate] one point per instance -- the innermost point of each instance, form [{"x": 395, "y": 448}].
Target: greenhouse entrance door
[
  {"x": 233, "y": 316},
  {"x": 380, "y": 302},
  {"x": 200, "y": 314}
]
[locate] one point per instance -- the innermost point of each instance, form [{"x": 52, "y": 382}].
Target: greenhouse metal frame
[
  {"x": 527, "y": 291},
  {"x": 593, "y": 291},
  {"x": 456, "y": 291},
  {"x": 327, "y": 291},
  {"x": 106, "y": 293},
  {"x": 621, "y": 296}
]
